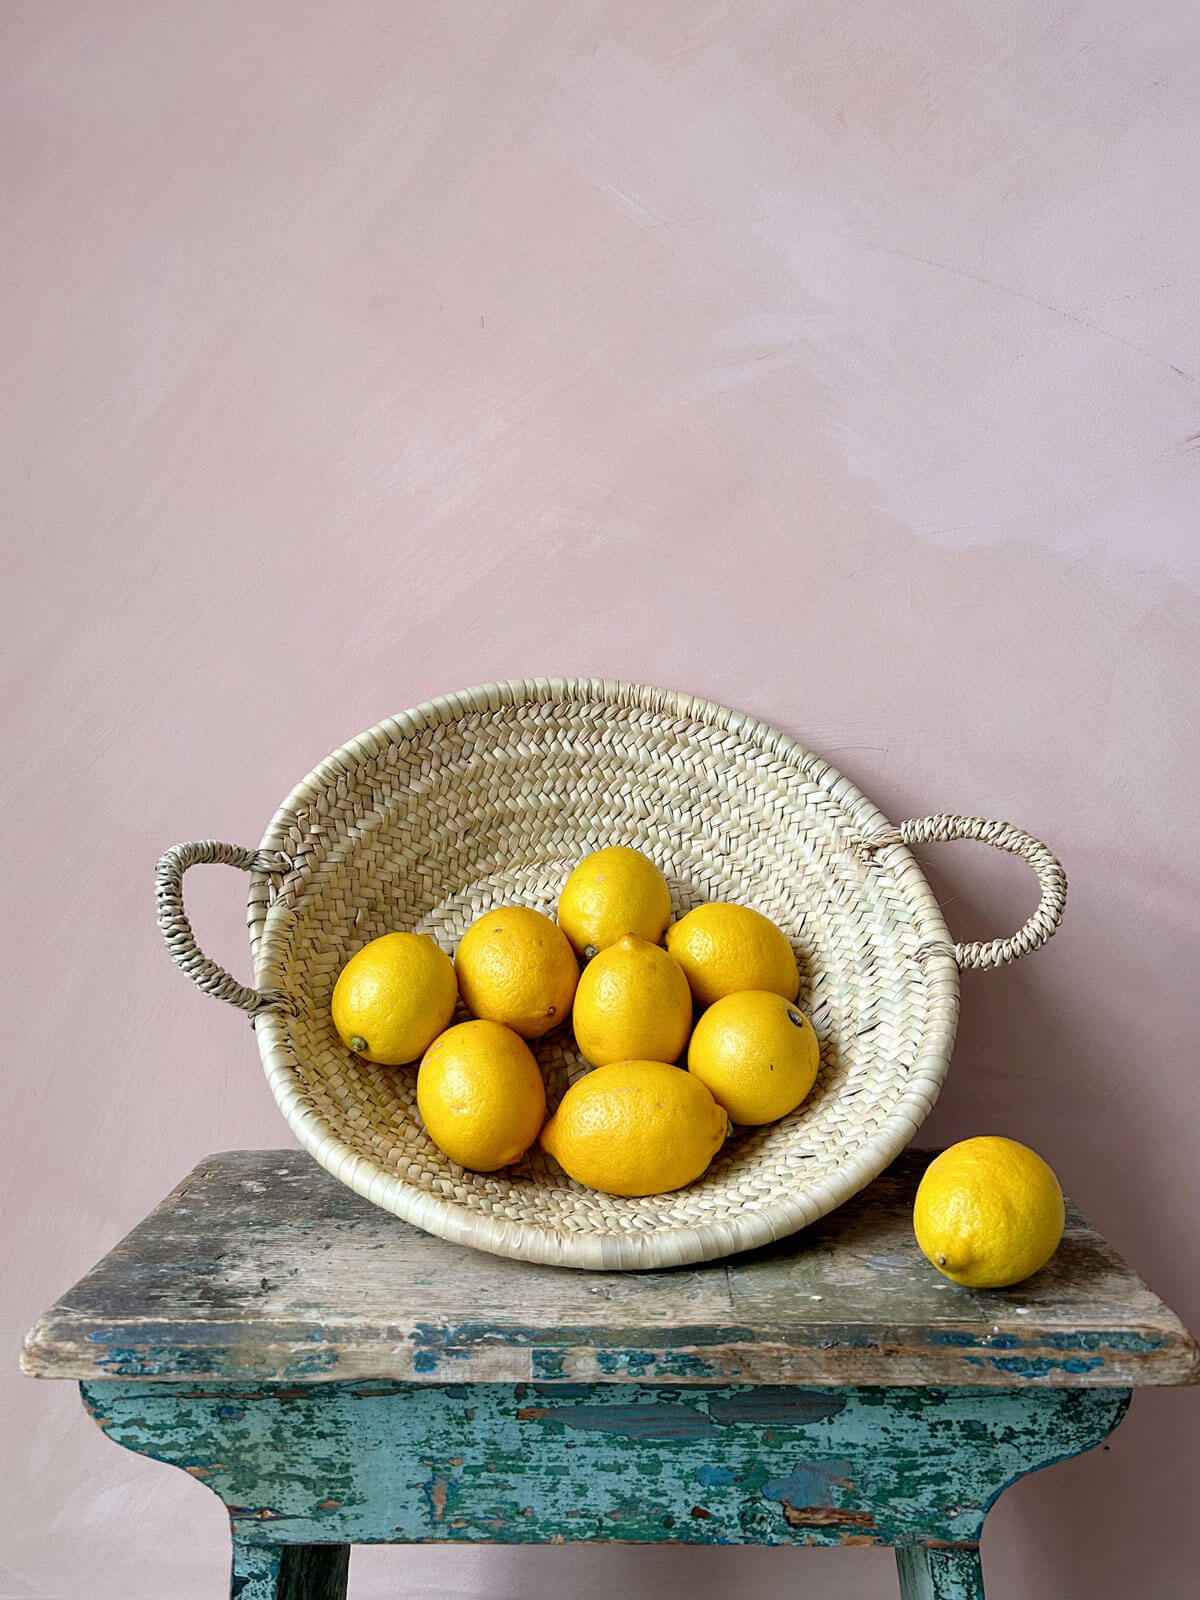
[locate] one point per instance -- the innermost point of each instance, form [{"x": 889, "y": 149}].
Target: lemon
[
  {"x": 393, "y": 997},
  {"x": 757, "y": 1055},
  {"x": 988, "y": 1212},
  {"x": 481, "y": 1096},
  {"x": 725, "y": 949},
  {"x": 613, "y": 892},
  {"x": 635, "y": 1127},
  {"x": 633, "y": 1002},
  {"x": 514, "y": 966}
]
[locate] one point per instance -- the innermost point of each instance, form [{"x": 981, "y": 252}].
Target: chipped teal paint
[
  {"x": 642, "y": 1364},
  {"x": 356, "y": 1463},
  {"x": 256, "y": 1571},
  {"x": 774, "y": 1406},
  {"x": 970, "y": 1341},
  {"x": 288, "y": 1572},
  {"x": 1082, "y": 1341},
  {"x": 1103, "y": 1341},
  {"x": 939, "y": 1574},
  {"x": 1036, "y": 1366},
  {"x": 635, "y": 1422},
  {"x": 809, "y": 1483},
  {"x": 185, "y": 1350},
  {"x": 134, "y": 1353}
]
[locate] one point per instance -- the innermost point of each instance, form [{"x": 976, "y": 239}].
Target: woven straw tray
[{"x": 490, "y": 797}]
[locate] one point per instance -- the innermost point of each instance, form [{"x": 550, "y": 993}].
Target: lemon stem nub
[
  {"x": 358, "y": 1044},
  {"x": 941, "y": 1260}
]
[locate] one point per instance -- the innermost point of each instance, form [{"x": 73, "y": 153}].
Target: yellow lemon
[
  {"x": 757, "y": 1055},
  {"x": 514, "y": 966},
  {"x": 725, "y": 949},
  {"x": 988, "y": 1212},
  {"x": 633, "y": 1002},
  {"x": 393, "y": 997},
  {"x": 636, "y": 1127},
  {"x": 481, "y": 1096},
  {"x": 613, "y": 892}
]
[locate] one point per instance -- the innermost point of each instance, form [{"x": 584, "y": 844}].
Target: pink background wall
[{"x": 837, "y": 362}]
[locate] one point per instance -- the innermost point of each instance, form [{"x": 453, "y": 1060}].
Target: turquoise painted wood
[
  {"x": 939, "y": 1574},
  {"x": 364, "y": 1463},
  {"x": 337, "y": 1378},
  {"x": 288, "y": 1572}
]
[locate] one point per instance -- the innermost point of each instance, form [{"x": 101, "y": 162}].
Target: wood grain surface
[{"x": 262, "y": 1267}]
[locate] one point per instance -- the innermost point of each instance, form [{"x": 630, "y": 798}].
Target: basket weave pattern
[{"x": 490, "y": 798}]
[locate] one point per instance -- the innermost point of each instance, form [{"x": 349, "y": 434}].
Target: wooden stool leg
[
  {"x": 927, "y": 1574},
  {"x": 289, "y": 1571}
]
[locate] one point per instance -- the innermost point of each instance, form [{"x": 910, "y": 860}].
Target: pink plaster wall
[{"x": 837, "y": 362}]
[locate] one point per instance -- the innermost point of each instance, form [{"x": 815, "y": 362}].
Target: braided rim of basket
[{"x": 666, "y": 1247}]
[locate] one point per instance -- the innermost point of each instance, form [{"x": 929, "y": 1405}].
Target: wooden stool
[{"x": 338, "y": 1377}]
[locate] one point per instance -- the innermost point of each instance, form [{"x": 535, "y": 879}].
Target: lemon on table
[
  {"x": 515, "y": 966},
  {"x": 393, "y": 997},
  {"x": 633, "y": 1002},
  {"x": 610, "y": 893},
  {"x": 725, "y": 949},
  {"x": 988, "y": 1212},
  {"x": 757, "y": 1055},
  {"x": 481, "y": 1095},
  {"x": 635, "y": 1128}
]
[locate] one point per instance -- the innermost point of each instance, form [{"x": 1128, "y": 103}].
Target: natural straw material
[{"x": 489, "y": 798}]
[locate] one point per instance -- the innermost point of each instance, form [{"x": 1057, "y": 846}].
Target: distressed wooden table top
[{"x": 261, "y": 1266}]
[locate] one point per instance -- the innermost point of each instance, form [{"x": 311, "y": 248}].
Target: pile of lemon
[
  {"x": 714, "y": 992},
  {"x": 689, "y": 1027}
]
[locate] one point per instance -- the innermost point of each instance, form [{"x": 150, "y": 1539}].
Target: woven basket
[{"x": 489, "y": 798}]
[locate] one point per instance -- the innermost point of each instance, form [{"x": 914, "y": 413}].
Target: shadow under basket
[{"x": 489, "y": 798}]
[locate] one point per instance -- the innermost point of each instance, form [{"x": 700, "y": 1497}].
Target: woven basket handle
[
  {"x": 177, "y": 930},
  {"x": 1051, "y": 878}
]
